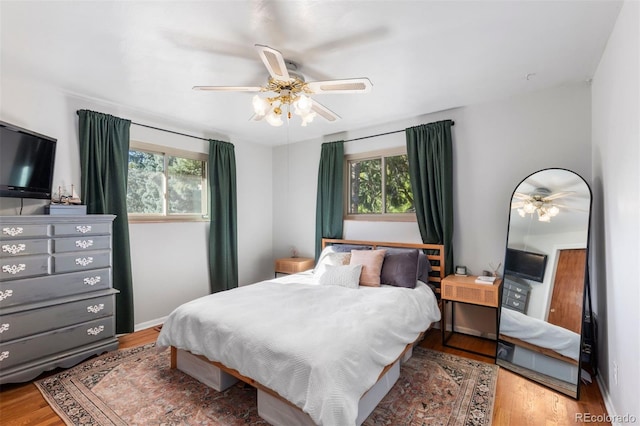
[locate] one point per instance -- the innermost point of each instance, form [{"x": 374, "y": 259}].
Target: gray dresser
[
  {"x": 57, "y": 304},
  {"x": 515, "y": 295}
]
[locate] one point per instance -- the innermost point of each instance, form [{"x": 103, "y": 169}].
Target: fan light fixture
[
  {"x": 289, "y": 94},
  {"x": 537, "y": 204}
]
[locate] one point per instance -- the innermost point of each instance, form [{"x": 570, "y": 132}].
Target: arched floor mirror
[{"x": 545, "y": 279}]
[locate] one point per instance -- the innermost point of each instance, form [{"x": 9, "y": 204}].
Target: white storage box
[{"x": 205, "y": 372}]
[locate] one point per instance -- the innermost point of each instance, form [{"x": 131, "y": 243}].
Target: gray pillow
[
  {"x": 346, "y": 248},
  {"x": 424, "y": 267},
  {"x": 399, "y": 268}
]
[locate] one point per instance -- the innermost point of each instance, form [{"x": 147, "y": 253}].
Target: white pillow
[
  {"x": 330, "y": 257},
  {"x": 343, "y": 276}
]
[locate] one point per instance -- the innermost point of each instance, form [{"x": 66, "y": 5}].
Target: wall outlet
[{"x": 615, "y": 373}]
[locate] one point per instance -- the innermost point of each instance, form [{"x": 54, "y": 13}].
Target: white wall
[
  {"x": 616, "y": 236},
  {"x": 169, "y": 261},
  {"x": 495, "y": 146}
]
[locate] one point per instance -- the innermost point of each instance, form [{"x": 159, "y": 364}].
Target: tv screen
[
  {"x": 525, "y": 264},
  {"x": 26, "y": 163}
]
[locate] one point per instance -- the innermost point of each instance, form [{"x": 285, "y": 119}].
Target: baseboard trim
[
  {"x": 473, "y": 332},
  {"x": 149, "y": 324},
  {"x": 606, "y": 398}
]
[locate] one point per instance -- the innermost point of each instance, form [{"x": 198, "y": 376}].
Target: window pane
[
  {"x": 365, "y": 186},
  {"x": 399, "y": 198},
  {"x": 145, "y": 183},
  {"x": 185, "y": 185}
]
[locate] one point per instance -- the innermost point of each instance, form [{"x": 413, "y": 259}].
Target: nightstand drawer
[
  {"x": 465, "y": 289},
  {"x": 292, "y": 265}
]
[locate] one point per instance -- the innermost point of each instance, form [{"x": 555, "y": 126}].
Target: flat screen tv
[
  {"x": 26, "y": 163},
  {"x": 525, "y": 264}
]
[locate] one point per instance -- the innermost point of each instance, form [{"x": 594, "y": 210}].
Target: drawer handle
[
  {"x": 3, "y": 328},
  {"x": 516, "y": 304},
  {"x": 83, "y": 229},
  {"x": 95, "y": 330},
  {"x": 13, "y": 231},
  {"x": 518, "y": 289},
  {"x": 95, "y": 308},
  {"x": 6, "y": 294},
  {"x": 13, "y": 248},
  {"x": 517, "y": 296},
  {"x": 84, "y": 261},
  {"x": 92, "y": 280},
  {"x": 4, "y": 355},
  {"x": 14, "y": 269},
  {"x": 84, "y": 244}
]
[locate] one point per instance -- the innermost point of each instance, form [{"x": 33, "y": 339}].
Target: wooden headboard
[{"x": 435, "y": 255}]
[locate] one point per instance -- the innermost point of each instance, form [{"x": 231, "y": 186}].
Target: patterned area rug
[{"x": 137, "y": 387}]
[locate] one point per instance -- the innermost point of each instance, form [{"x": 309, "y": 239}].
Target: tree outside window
[
  {"x": 379, "y": 185},
  {"x": 165, "y": 185}
]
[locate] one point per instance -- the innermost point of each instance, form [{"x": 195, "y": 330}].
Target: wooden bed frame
[
  {"x": 539, "y": 349},
  {"x": 435, "y": 257}
]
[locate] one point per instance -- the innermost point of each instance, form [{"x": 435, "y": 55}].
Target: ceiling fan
[
  {"x": 291, "y": 91},
  {"x": 540, "y": 201}
]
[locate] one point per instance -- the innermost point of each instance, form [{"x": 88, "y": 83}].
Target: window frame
[
  {"x": 373, "y": 217},
  {"x": 166, "y": 152}
]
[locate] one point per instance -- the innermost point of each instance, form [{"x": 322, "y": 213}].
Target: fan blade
[
  {"x": 229, "y": 88},
  {"x": 521, "y": 196},
  {"x": 517, "y": 205},
  {"x": 274, "y": 62},
  {"x": 324, "y": 112},
  {"x": 558, "y": 195},
  {"x": 351, "y": 85}
]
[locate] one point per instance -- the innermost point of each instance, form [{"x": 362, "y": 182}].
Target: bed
[
  {"x": 539, "y": 336},
  {"x": 318, "y": 351}
]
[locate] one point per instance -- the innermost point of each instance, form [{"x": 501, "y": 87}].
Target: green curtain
[
  {"x": 329, "y": 204},
  {"x": 223, "y": 231},
  {"x": 104, "y": 159},
  {"x": 429, "y": 151}
]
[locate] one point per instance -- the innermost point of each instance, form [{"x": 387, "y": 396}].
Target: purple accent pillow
[{"x": 399, "y": 268}]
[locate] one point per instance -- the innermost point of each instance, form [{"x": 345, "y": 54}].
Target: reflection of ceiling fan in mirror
[
  {"x": 292, "y": 92},
  {"x": 541, "y": 201}
]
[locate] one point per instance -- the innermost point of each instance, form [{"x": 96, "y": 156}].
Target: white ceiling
[{"x": 421, "y": 56}]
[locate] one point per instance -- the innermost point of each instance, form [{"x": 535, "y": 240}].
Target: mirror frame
[{"x": 586, "y": 300}]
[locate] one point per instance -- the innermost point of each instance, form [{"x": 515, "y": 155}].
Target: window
[
  {"x": 378, "y": 186},
  {"x": 166, "y": 184}
]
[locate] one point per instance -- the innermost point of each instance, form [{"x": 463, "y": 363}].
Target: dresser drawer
[
  {"x": 84, "y": 243},
  {"x": 70, "y": 262},
  {"x": 35, "y": 321},
  {"x": 88, "y": 228},
  {"x": 517, "y": 287},
  {"x": 32, "y": 290},
  {"x": 21, "y": 231},
  {"x": 24, "y": 247},
  {"x": 510, "y": 294},
  {"x": 23, "y": 267},
  {"x": 27, "y": 349},
  {"x": 516, "y": 305}
]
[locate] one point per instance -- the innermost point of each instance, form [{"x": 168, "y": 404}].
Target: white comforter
[
  {"x": 540, "y": 333},
  {"x": 320, "y": 347}
]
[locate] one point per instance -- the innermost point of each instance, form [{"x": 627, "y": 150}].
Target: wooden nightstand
[
  {"x": 458, "y": 289},
  {"x": 291, "y": 265}
]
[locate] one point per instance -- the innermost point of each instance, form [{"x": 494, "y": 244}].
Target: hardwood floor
[{"x": 518, "y": 400}]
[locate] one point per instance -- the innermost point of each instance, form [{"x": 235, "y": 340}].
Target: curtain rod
[
  {"x": 204, "y": 139},
  {"x": 163, "y": 130},
  {"x": 381, "y": 134}
]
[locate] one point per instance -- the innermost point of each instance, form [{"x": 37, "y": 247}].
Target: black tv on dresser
[{"x": 26, "y": 163}]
